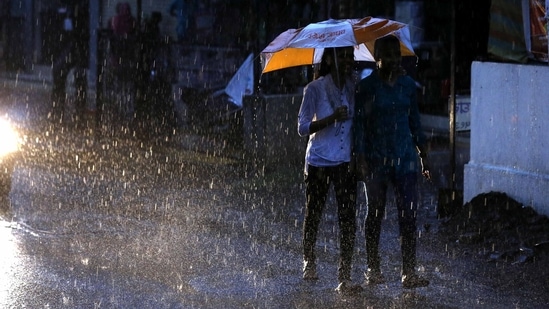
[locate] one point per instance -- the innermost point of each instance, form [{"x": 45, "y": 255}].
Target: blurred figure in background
[
  {"x": 182, "y": 9},
  {"x": 152, "y": 39},
  {"x": 124, "y": 58},
  {"x": 124, "y": 31},
  {"x": 73, "y": 55},
  {"x": 157, "y": 74}
]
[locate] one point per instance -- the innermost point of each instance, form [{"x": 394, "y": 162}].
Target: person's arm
[
  {"x": 418, "y": 135},
  {"x": 307, "y": 125},
  {"x": 425, "y": 165},
  {"x": 340, "y": 114}
]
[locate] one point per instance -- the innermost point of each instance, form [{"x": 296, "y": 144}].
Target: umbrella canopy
[{"x": 304, "y": 46}]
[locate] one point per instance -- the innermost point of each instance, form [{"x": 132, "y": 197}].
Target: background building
[{"x": 249, "y": 25}]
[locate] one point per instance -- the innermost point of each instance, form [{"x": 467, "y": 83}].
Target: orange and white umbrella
[{"x": 305, "y": 46}]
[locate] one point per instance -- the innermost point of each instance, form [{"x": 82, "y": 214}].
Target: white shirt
[{"x": 330, "y": 146}]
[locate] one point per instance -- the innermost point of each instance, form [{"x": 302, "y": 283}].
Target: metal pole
[
  {"x": 94, "y": 14},
  {"x": 453, "y": 97},
  {"x": 139, "y": 13},
  {"x": 547, "y": 21}
]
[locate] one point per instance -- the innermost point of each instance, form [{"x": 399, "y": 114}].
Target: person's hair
[
  {"x": 325, "y": 68},
  {"x": 156, "y": 16},
  {"x": 383, "y": 43}
]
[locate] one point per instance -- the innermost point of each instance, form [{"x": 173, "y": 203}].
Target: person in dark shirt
[
  {"x": 388, "y": 137},
  {"x": 182, "y": 10},
  {"x": 124, "y": 60}
]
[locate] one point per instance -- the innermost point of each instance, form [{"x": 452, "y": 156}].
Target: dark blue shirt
[{"x": 387, "y": 126}]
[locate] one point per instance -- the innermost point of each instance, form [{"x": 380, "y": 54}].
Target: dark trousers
[
  {"x": 406, "y": 201},
  {"x": 318, "y": 182}
]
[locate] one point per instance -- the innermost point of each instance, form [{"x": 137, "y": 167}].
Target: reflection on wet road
[{"x": 119, "y": 222}]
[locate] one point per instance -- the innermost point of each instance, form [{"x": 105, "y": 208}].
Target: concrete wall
[{"x": 509, "y": 141}]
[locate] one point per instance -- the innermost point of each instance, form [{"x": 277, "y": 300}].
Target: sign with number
[{"x": 463, "y": 113}]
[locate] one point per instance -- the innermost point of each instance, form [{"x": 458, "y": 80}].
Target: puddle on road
[{"x": 244, "y": 284}]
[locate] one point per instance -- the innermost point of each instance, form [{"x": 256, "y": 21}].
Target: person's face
[
  {"x": 389, "y": 57},
  {"x": 345, "y": 60}
]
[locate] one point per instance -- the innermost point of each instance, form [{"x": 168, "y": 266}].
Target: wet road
[{"x": 122, "y": 222}]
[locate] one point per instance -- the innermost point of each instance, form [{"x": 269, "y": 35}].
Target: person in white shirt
[{"x": 325, "y": 116}]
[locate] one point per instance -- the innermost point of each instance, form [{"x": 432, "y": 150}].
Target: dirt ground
[{"x": 507, "y": 243}]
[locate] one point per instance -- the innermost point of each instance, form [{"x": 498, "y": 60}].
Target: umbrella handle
[{"x": 336, "y": 66}]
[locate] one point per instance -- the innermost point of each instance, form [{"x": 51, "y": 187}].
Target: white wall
[{"x": 509, "y": 133}]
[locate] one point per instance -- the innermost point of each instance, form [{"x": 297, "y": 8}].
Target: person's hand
[
  {"x": 425, "y": 169},
  {"x": 341, "y": 113}
]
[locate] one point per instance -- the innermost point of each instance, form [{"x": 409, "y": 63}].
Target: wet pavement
[{"x": 113, "y": 220}]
